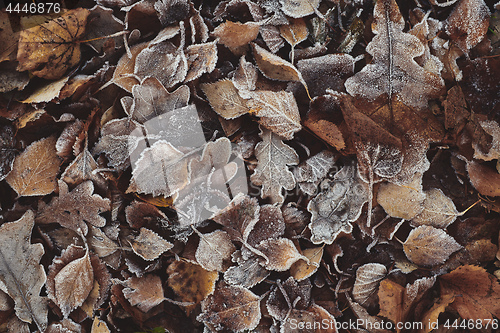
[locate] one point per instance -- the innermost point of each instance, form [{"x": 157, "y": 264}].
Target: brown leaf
[
  {"x": 224, "y": 99},
  {"x": 432, "y": 315},
  {"x": 73, "y": 284},
  {"x": 50, "y": 49},
  {"x": 294, "y": 32},
  {"x": 455, "y": 108},
  {"x": 428, "y": 246},
  {"x": 235, "y": 34},
  {"x": 214, "y": 251},
  {"x": 484, "y": 179},
  {"x": 393, "y": 70},
  {"x": 34, "y": 171},
  {"x": 145, "y": 292},
  {"x": 21, "y": 274},
  {"x": 7, "y": 143},
  {"x": 280, "y": 254},
  {"x": 225, "y": 306},
  {"x": 287, "y": 296},
  {"x": 312, "y": 171},
  {"x": 48, "y": 92},
  {"x": 270, "y": 225},
  {"x": 82, "y": 168},
  {"x": 8, "y": 38},
  {"x": 476, "y": 292},
  {"x": 245, "y": 77},
  {"x": 247, "y": 274},
  {"x": 303, "y": 269},
  {"x": 278, "y": 112},
  {"x": 100, "y": 243},
  {"x": 191, "y": 282},
  {"x": 99, "y": 326},
  {"x": 299, "y": 8},
  {"x": 404, "y": 202},
  {"x": 367, "y": 281},
  {"x": 149, "y": 245},
  {"x": 439, "y": 210},
  {"x": 272, "y": 172},
  {"x": 201, "y": 59},
  {"x": 124, "y": 76},
  {"x": 391, "y": 300},
  {"x": 468, "y": 23},
  {"x": 74, "y": 209}
]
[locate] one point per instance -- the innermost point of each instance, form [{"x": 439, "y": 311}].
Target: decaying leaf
[
  {"x": 149, "y": 245},
  {"x": 74, "y": 209},
  {"x": 224, "y": 99},
  {"x": 21, "y": 274},
  {"x": 393, "y": 71},
  {"x": 214, "y": 251},
  {"x": 145, "y": 292},
  {"x": 50, "y": 49},
  {"x": 272, "y": 171},
  {"x": 280, "y": 254},
  {"x": 225, "y": 306},
  {"x": 368, "y": 277},
  {"x": 34, "y": 171},
  {"x": 428, "y": 246}
]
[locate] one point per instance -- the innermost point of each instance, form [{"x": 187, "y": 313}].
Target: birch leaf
[
  {"x": 224, "y": 99},
  {"x": 272, "y": 170},
  {"x": 302, "y": 269},
  {"x": 214, "y": 251},
  {"x": 299, "y": 8},
  {"x": 20, "y": 273},
  {"x": 439, "y": 210},
  {"x": 393, "y": 71},
  {"x": 281, "y": 254},
  {"x": 149, "y": 245},
  {"x": 368, "y": 277},
  {"x": 145, "y": 292}
]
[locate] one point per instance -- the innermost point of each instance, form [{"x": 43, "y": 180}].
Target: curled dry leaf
[
  {"x": 224, "y": 308},
  {"x": 145, "y": 292},
  {"x": 74, "y": 209},
  {"x": 214, "y": 251},
  {"x": 280, "y": 254},
  {"x": 124, "y": 76},
  {"x": 149, "y": 245},
  {"x": 272, "y": 170},
  {"x": 303, "y": 269},
  {"x": 393, "y": 70},
  {"x": 191, "y": 282},
  {"x": 476, "y": 292},
  {"x": 368, "y": 277},
  {"x": 50, "y": 49},
  {"x": 34, "y": 171},
  {"x": 428, "y": 246},
  {"x": 294, "y": 32},
  {"x": 224, "y": 99},
  {"x": 21, "y": 274}
]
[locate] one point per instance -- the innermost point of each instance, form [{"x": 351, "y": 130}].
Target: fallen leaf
[
  {"x": 47, "y": 92},
  {"x": 272, "y": 172},
  {"x": 311, "y": 172},
  {"x": 124, "y": 76},
  {"x": 280, "y": 254},
  {"x": 287, "y": 296},
  {"x": 271, "y": 224},
  {"x": 81, "y": 169},
  {"x": 299, "y": 8},
  {"x": 171, "y": 11},
  {"x": 294, "y": 32},
  {"x": 100, "y": 243},
  {"x": 8, "y": 152},
  {"x": 201, "y": 59},
  {"x": 191, "y": 282},
  {"x": 476, "y": 292},
  {"x": 149, "y": 245},
  {"x": 428, "y": 246},
  {"x": 403, "y": 202},
  {"x": 303, "y": 269},
  {"x": 145, "y": 292},
  {"x": 225, "y": 306},
  {"x": 21, "y": 274},
  {"x": 214, "y": 251},
  {"x": 367, "y": 281},
  {"x": 224, "y": 99},
  {"x": 99, "y": 326},
  {"x": 391, "y": 300},
  {"x": 74, "y": 209},
  {"x": 393, "y": 70},
  {"x": 234, "y": 35},
  {"x": 247, "y": 274},
  {"x": 432, "y": 315},
  {"x": 50, "y": 49},
  {"x": 484, "y": 179},
  {"x": 439, "y": 210}
]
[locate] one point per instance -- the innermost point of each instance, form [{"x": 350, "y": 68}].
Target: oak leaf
[
  {"x": 476, "y": 292},
  {"x": 428, "y": 246},
  {"x": 50, "y": 49},
  {"x": 272, "y": 172},
  {"x": 149, "y": 245},
  {"x": 225, "y": 306},
  {"x": 34, "y": 171},
  {"x": 74, "y": 209},
  {"x": 20, "y": 273},
  {"x": 393, "y": 71}
]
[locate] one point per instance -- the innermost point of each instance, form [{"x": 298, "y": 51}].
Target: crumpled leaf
[
  {"x": 368, "y": 277},
  {"x": 312, "y": 171},
  {"x": 224, "y": 99},
  {"x": 214, "y": 251},
  {"x": 280, "y": 254},
  {"x": 477, "y": 293},
  {"x": 34, "y": 171},
  {"x": 73, "y": 210},
  {"x": 272, "y": 172},
  {"x": 224, "y": 308},
  {"x": 21, "y": 274},
  {"x": 393, "y": 70},
  {"x": 191, "y": 282},
  {"x": 7, "y": 151},
  {"x": 278, "y": 112},
  {"x": 339, "y": 203},
  {"x": 149, "y": 245},
  {"x": 428, "y": 246},
  {"x": 145, "y": 292},
  {"x": 439, "y": 210},
  {"x": 50, "y": 49},
  {"x": 468, "y": 23}
]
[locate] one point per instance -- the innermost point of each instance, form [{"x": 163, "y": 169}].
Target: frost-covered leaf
[
  {"x": 272, "y": 172},
  {"x": 287, "y": 296},
  {"x": 393, "y": 70},
  {"x": 428, "y": 246},
  {"x": 312, "y": 171},
  {"x": 224, "y": 99},
  {"x": 145, "y": 292},
  {"x": 235, "y": 34},
  {"x": 149, "y": 245},
  {"x": 34, "y": 171},
  {"x": 299, "y": 8},
  {"x": 270, "y": 225},
  {"x": 247, "y": 274},
  {"x": 124, "y": 76},
  {"x": 201, "y": 59},
  {"x": 339, "y": 203},
  {"x": 8, "y": 153},
  {"x": 280, "y": 254},
  {"x": 214, "y": 251},
  {"x": 439, "y": 210},
  {"x": 368, "y": 277},
  {"x": 171, "y": 11},
  {"x": 224, "y": 308},
  {"x": 100, "y": 243},
  {"x": 493, "y": 129},
  {"x": 81, "y": 169},
  {"x": 404, "y": 202},
  {"x": 74, "y": 209},
  {"x": 278, "y": 112},
  {"x": 21, "y": 274},
  {"x": 303, "y": 269}
]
